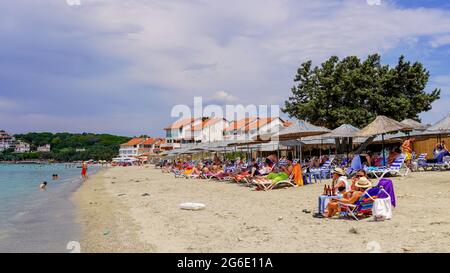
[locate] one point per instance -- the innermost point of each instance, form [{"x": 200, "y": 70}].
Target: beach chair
[
  {"x": 323, "y": 172},
  {"x": 421, "y": 162},
  {"x": 395, "y": 168},
  {"x": 364, "y": 205},
  {"x": 267, "y": 184},
  {"x": 439, "y": 166}
]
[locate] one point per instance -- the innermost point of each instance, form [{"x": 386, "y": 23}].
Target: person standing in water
[{"x": 84, "y": 169}]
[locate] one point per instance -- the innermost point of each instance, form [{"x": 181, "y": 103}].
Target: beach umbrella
[
  {"x": 381, "y": 126},
  {"x": 439, "y": 128},
  {"x": 297, "y": 130},
  {"x": 345, "y": 131},
  {"x": 442, "y": 126},
  {"x": 414, "y": 124}
]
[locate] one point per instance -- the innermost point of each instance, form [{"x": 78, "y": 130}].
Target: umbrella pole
[
  {"x": 278, "y": 151},
  {"x": 320, "y": 152},
  {"x": 382, "y": 150},
  {"x": 301, "y": 159}
]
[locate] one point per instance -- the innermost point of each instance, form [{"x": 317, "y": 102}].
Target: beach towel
[
  {"x": 388, "y": 186},
  {"x": 382, "y": 209},
  {"x": 298, "y": 175}
]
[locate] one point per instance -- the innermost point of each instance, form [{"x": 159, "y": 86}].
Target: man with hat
[
  {"x": 340, "y": 183},
  {"x": 350, "y": 197}
]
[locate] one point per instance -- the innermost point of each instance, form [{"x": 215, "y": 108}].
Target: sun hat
[
  {"x": 364, "y": 183},
  {"x": 338, "y": 171}
]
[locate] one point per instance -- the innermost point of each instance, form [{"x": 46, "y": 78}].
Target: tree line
[{"x": 64, "y": 147}]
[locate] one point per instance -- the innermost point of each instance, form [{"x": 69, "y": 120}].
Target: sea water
[{"x": 34, "y": 220}]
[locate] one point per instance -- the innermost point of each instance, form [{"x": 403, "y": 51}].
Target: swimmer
[{"x": 43, "y": 185}]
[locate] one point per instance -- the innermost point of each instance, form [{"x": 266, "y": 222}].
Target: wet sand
[{"x": 116, "y": 217}]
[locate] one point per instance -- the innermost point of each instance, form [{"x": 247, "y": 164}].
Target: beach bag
[{"x": 382, "y": 209}]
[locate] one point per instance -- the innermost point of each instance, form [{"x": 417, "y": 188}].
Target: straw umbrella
[
  {"x": 381, "y": 126},
  {"x": 414, "y": 124},
  {"x": 346, "y": 131},
  {"x": 299, "y": 129}
]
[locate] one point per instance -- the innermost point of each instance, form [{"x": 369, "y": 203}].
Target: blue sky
[{"x": 119, "y": 66}]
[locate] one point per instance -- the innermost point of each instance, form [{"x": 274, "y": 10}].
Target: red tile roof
[
  {"x": 236, "y": 125},
  {"x": 180, "y": 123},
  {"x": 133, "y": 142},
  {"x": 258, "y": 124},
  {"x": 149, "y": 141}
]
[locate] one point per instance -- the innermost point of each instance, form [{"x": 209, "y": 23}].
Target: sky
[{"x": 119, "y": 66}]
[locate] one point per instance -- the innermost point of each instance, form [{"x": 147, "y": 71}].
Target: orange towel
[{"x": 298, "y": 175}]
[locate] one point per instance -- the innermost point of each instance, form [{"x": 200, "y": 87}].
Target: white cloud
[
  {"x": 224, "y": 97},
  {"x": 249, "y": 48},
  {"x": 249, "y": 45}
]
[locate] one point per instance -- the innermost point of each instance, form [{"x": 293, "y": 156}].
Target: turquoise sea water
[{"x": 32, "y": 220}]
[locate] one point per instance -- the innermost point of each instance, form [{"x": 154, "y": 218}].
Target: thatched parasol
[
  {"x": 299, "y": 129},
  {"x": 441, "y": 126},
  {"x": 414, "y": 124},
  {"x": 381, "y": 126}
]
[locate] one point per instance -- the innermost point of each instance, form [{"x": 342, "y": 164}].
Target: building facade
[
  {"x": 6, "y": 141},
  {"x": 44, "y": 148},
  {"x": 21, "y": 147},
  {"x": 141, "y": 146}
]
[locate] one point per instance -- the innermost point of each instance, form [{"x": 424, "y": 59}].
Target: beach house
[
  {"x": 236, "y": 129},
  {"x": 6, "y": 141},
  {"x": 245, "y": 129},
  {"x": 131, "y": 148},
  {"x": 21, "y": 147},
  {"x": 181, "y": 131},
  {"x": 44, "y": 148},
  {"x": 140, "y": 146}
]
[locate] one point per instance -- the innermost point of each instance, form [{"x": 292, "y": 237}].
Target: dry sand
[{"x": 115, "y": 217}]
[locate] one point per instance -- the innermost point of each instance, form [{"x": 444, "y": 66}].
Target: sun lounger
[
  {"x": 364, "y": 205},
  {"x": 267, "y": 184},
  {"x": 395, "y": 168},
  {"x": 421, "y": 162}
]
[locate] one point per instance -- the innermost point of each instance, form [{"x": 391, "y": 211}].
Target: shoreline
[
  {"x": 116, "y": 217},
  {"x": 113, "y": 230},
  {"x": 42, "y": 221}
]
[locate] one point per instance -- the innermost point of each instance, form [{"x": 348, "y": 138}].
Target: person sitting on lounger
[
  {"x": 350, "y": 197},
  {"x": 440, "y": 151},
  {"x": 340, "y": 182},
  {"x": 198, "y": 169},
  {"x": 359, "y": 174},
  {"x": 393, "y": 154},
  {"x": 271, "y": 160},
  {"x": 284, "y": 174}
]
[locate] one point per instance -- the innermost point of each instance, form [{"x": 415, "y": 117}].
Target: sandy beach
[{"x": 136, "y": 209}]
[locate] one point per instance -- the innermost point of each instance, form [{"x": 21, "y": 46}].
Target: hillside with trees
[{"x": 64, "y": 146}]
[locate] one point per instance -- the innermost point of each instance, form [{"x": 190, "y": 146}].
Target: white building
[
  {"x": 180, "y": 132},
  {"x": 247, "y": 128},
  {"x": 22, "y": 147},
  {"x": 131, "y": 148},
  {"x": 141, "y": 146},
  {"x": 213, "y": 129},
  {"x": 6, "y": 141},
  {"x": 44, "y": 148}
]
